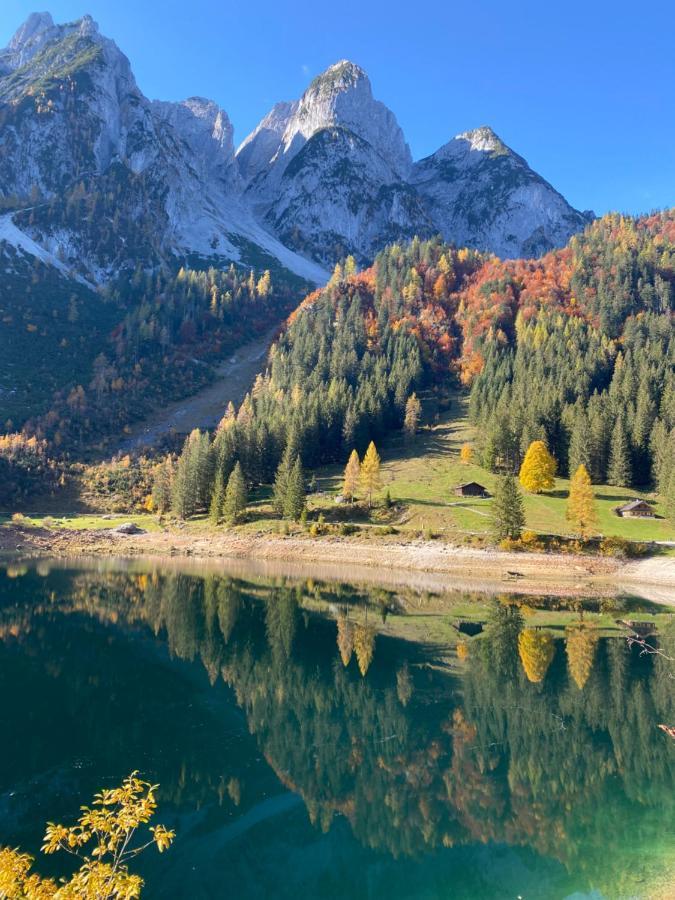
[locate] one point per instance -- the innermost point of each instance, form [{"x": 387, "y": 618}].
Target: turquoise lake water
[{"x": 288, "y": 774}]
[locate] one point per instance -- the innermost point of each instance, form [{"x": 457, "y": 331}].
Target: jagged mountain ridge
[
  {"x": 326, "y": 175},
  {"x": 332, "y": 171},
  {"x": 73, "y": 124}
]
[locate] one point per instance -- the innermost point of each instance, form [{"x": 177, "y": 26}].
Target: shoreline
[{"x": 429, "y": 565}]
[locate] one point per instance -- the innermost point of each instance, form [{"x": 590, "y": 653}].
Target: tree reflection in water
[{"x": 547, "y": 744}]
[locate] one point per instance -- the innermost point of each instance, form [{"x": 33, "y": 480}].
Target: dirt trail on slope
[{"x": 204, "y": 409}]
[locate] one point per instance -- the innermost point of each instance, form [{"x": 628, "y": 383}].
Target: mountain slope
[
  {"x": 75, "y": 130},
  {"x": 328, "y": 172},
  {"x": 481, "y": 194}
]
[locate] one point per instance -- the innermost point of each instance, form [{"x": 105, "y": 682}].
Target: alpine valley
[{"x": 144, "y": 259}]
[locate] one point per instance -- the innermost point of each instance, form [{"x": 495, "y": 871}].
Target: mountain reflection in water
[{"x": 534, "y": 768}]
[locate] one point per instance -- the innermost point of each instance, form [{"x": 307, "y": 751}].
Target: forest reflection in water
[{"x": 303, "y": 744}]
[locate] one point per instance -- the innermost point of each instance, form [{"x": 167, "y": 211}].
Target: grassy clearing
[
  {"x": 84, "y": 521},
  {"x": 420, "y": 477}
]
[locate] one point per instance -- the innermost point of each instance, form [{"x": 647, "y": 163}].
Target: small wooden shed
[
  {"x": 471, "y": 489},
  {"x": 636, "y": 509}
]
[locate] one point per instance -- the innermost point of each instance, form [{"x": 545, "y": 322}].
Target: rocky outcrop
[
  {"x": 481, "y": 194},
  {"x": 107, "y": 179}
]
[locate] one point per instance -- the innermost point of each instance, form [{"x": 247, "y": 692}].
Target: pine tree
[
  {"x": 236, "y": 496},
  {"x": 294, "y": 501},
  {"x": 370, "y": 472},
  {"x": 352, "y": 476},
  {"x": 670, "y": 497},
  {"x": 619, "y": 470},
  {"x": 413, "y": 411},
  {"x": 537, "y": 472},
  {"x": 581, "y": 510},
  {"x": 217, "y": 498},
  {"x": 507, "y": 509},
  {"x": 579, "y": 453},
  {"x": 536, "y": 649}
]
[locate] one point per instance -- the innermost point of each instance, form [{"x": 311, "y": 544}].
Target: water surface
[{"x": 287, "y": 773}]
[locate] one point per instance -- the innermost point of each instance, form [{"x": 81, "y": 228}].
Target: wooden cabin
[
  {"x": 636, "y": 509},
  {"x": 471, "y": 489}
]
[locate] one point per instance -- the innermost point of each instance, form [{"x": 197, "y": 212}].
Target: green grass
[
  {"x": 421, "y": 475},
  {"x": 83, "y": 522}
]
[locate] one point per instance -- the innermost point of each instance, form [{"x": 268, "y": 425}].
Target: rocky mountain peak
[
  {"x": 483, "y": 139},
  {"x": 35, "y": 24},
  {"x": 340, "y": 97},
  {"x": 341, "y": 76}
]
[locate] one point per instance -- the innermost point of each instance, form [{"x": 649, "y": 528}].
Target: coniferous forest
[{"x": 575, "y": 350}]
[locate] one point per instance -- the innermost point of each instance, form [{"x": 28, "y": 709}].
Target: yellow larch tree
[
  {"x": 466, "y": 454},
  {"x": 537, "y": 472},
  {"x": 581, "y": 510},
  {"x": 536, "y": 649},
  {"x": 364, "y": 646},
  {"x": 352, "y": 476},
  {"x": 581, "y": 643},
  {"x": 370, "y": 472}
]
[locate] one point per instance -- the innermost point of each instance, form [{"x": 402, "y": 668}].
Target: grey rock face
[
  {"x": 481, "y": 194},
  {"x": 331, "y": 172},
  {"x": 320, "y": 177},
  {"x": 71, "y": 115}
]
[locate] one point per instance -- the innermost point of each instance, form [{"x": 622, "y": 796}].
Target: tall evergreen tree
[
  {"x": 507, "y": 509},
  {"x": 236, "y": 496},
  {"x": 619, "y": 470},
  {"x": 282, "y": 479},
  {"x": 294, "y": 501},
  {"x": 580, "y": 446},
  {"x": 217, "y": 498}
]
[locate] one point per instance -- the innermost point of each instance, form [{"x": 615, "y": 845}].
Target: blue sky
[{"x": 584, "y": 91}]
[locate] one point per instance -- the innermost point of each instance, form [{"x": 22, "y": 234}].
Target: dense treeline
[
  {"x": 341, "y": 374},
  {"x": 585, "y": 359},
  {"x": 25, "y": 468},
  {"x": 170, "y": 328},
  {"x": 575, "y": 349}
]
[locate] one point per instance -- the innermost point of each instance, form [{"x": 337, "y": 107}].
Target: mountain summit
[
  {"x": 331, "y": 173},
  {"x": 122, "y": 180},
  {"x": 479, "y": 193}
]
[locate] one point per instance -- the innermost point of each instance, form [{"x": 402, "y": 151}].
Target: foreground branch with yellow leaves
[{"x": 105, "y": 839}]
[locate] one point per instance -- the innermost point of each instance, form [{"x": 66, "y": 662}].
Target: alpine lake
[{"x": 314, "y": 738}]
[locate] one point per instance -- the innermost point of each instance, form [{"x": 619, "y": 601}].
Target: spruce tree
[
  {"x": 294, "y": 501},
  {"x": 619, "y": 470},
  {"x": 670, "y": 496},
  {"x": 507, "y": 509},
  {"x": 235, "y": 496},
  {"x": 217, "y": 498},
  {"x": 579, "y": 453},
  {"x": 281, "y": 480}
]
